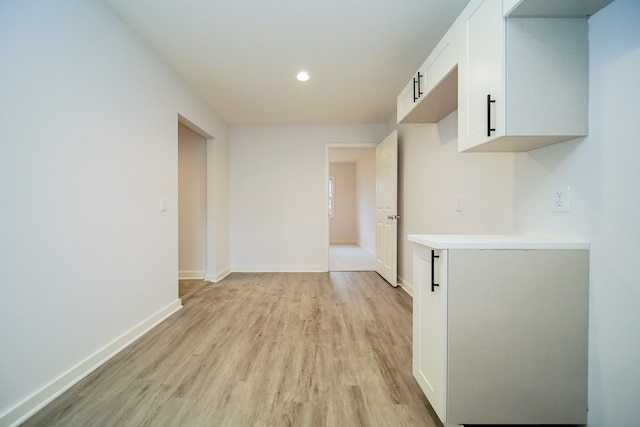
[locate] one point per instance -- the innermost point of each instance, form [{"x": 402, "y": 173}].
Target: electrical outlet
[{"x": 560, "y": 198}]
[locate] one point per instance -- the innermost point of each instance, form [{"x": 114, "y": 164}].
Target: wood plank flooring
[
  {"x": 262, "y": 349},
  {"x": 188, "y": 287}
]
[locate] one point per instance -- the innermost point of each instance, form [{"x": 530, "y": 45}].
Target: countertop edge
[{"x": 494, "y": 241}]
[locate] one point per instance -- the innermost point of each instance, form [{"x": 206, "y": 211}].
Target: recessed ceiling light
[{"x": 303, "y": 76}]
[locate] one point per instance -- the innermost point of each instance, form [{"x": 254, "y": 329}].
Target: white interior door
[{"x": 387, "y": 208}]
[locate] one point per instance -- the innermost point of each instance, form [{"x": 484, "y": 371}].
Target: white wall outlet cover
[{"x": 560, "y": 198}]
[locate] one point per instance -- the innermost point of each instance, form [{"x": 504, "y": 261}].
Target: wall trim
[
  {"x": 279, "y": 269},
  {"x": 191, "y": 274},
  {"x": 38, "y": 400},
  {"x": 406, "y": 286},
  {"x": 216, "y": 277}
]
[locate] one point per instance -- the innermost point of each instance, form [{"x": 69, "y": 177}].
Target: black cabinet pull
[
  {"x": 433, "y": 265},
  {"x": 489, "y": 102},
  {"x": 416, "y": 81}
]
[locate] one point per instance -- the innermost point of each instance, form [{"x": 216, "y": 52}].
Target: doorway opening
[
  {"x": 351, "y": 189},
  {"x": 192, "y": 211}
]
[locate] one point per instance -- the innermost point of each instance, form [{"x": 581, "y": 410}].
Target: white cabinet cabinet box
[
  {"x": 523, "y": 82},
  {"x": 516, "y": 70},
  {"x": 432, "y": 93},
  {"x": 564, "y": 8},
  {"x": 500, "y": 329}
]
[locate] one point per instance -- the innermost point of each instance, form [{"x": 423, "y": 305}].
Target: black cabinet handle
[
  {"x": 433, "y": 265},
  {"x": 489, "y": 102},
  {"x": 416, "y": 81}
]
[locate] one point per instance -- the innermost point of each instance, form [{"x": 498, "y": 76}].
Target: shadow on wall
[{"x": 442, "y": 191}]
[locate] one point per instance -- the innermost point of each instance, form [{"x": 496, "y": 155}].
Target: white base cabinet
[{"x": 500, "y": 335}]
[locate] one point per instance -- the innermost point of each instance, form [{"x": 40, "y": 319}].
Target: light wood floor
[
  {"x": 267, "y": 349},
  {"x": 189, "y": 287}
]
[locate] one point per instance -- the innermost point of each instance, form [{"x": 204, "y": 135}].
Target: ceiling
[{"x": 242, "y": 56}]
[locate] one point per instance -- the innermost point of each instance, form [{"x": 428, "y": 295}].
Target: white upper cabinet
[
  {"x": 516, "y": 70},
  {"x": 555, "y": 8},
  {"x": 523, "y": 82},
  {"x": 432, "y": 93},
  {"x": 410, "y": 96}
]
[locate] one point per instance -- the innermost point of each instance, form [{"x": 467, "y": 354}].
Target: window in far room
[{"x": 331, "y": 195}]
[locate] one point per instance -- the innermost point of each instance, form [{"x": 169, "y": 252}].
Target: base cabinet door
[
  {"x": 430, "y": 327},
  {"x": 501, "y": 336}
]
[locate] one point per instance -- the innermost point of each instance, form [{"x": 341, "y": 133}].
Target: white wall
[
  {"x": 603, "y": 174},
  {"x": 192, "y": 203},
  {"x": 278, "y": 194},
  {"x": 433, "y": 176},
  {"x": 89, "y": 121},
  {"x": 343, "y": 227},
  {"x": 366, "y": 195}
]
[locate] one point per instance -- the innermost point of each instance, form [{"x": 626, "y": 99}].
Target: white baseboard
[
  {"x": 406, "y": 286},
  {"x": 343, "y": 242},
  {"x": 279, "y": 269},
  {"x": 28, "y": 407},
  {"x": 216, "y": 277},
  {"x": 192, "y": 275}
]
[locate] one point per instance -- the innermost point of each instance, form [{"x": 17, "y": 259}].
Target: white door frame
[
  {"x": 342, "y": 146},
  {"x": 210, "y": 246}
]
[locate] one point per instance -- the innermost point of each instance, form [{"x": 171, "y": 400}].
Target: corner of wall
[{"x": 406, "y": 286}]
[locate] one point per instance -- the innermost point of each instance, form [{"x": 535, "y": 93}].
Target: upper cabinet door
[
  {"x": 411, "y": 95},
  {"x": 481, "y": 73},
  {"x": 523, "y": 82},
  {"x": 432, "y": 93}
]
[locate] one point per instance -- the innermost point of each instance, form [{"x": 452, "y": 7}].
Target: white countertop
[{"x": 494, "y": 241}]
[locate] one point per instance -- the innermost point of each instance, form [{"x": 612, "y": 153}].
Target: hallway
[{"x": 350, "y": 257}]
